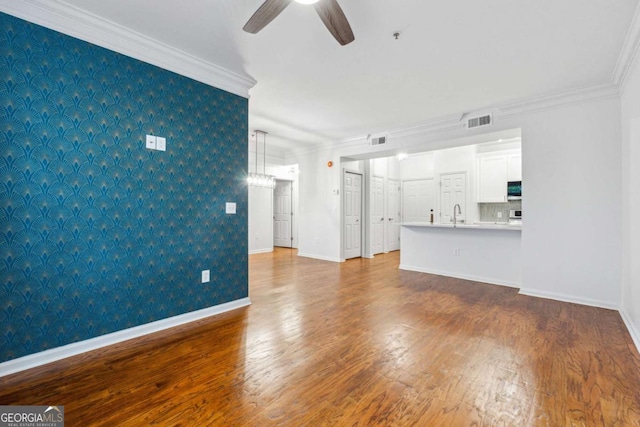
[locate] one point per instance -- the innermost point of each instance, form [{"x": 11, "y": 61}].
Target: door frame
[
  {"x": 291, "y": 230},
  {"x": 342, "y": 213}
]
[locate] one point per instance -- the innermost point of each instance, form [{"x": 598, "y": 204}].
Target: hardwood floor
[{"x": 358, "y": 343}]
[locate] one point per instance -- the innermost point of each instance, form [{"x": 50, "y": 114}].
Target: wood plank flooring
[{"x": 358, "y": 343}]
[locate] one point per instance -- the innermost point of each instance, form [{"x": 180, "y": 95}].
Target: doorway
[
  {"x": 393, "y": 215},
  {"x": 352, "y": 188},
  {"x": 453, "y": 191},
  {"x": 377, "y": 215},
  {"x": 282, "y": 214},
  {"x": 418, "y": 200}
]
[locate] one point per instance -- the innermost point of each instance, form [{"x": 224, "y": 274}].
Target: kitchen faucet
[{"x": 455, "y": 218}]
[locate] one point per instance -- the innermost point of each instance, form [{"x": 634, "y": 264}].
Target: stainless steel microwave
[{"x": 514, "y": 190}]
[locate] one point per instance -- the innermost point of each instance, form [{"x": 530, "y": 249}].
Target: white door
[
  {"x": 377, "y": 215},
  {"x": 418, "y": 199},
  {"x": 352, "y": 215},
  {"x": 282, "y": 199},
  {"x": 393, "y": 215},
  {"x": 453, "y": 190}
]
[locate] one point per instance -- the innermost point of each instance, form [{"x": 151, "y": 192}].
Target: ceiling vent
[
  {"x": 479, "y": 121},
  {"x": 378, "y": 140}
]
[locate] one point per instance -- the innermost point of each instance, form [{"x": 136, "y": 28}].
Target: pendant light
[{"x": 261, "y": 179}]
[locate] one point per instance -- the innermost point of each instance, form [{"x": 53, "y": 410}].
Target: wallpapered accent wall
[{"x": 97, "y": 233}]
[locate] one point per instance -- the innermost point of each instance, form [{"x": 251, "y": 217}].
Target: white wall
[
  {"x": 353, "y": 165},
  {"x": 631, "y": 201},
  {"x": 379, "y": 166},
  {"x": 260, "y": 219},
  {"x": 571, "y": 240},
  {"x": 394, "y": 168},
  {"x": 417, "y": 166},
  {"x": 319, "y": 219}
]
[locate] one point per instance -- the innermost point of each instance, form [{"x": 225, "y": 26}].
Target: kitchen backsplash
[{"x": 488, "y": 212}]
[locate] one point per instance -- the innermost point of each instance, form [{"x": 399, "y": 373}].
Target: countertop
[{"x": 476, "y": 226}]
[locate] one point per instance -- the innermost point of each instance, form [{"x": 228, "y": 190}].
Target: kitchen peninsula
[{"x": 483, "y": 252}]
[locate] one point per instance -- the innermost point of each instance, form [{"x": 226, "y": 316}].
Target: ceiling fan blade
[
  {"x": 265, "y": 14},
  {"x": 334, "y": 19}
]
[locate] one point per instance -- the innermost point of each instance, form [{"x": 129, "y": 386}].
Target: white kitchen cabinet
[
  {"x": 514, "y": 166},
  {"x": 494, "y": 171},
  {"x": 492, "y": 178}
]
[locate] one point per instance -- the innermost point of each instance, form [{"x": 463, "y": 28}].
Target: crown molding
[
  {"x": 628, "y": 53},
  {"x": 75, "y": 22},
  {"x": 454, "y": 122},
  {"x": 427, "y": 127},
  {"x": 558, "y": 99}
]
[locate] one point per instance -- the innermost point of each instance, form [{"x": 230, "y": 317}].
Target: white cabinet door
[
  {"x": 492, "y": 179},
  {"x": 514, "y": 165}
]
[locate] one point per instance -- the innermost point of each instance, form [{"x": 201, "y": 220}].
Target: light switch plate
[
  {"x": 206, "y": 276},
  {"x": 151, "y": 142},
  {"x": 231, "y": 208},
  {"x": 161, "y": 143}
]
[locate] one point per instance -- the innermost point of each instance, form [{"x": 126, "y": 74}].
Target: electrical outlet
[
  {"x": 206, "y": 276},
  {"x": 499, "y": 214},
  {"x": 456, "y": 252}
]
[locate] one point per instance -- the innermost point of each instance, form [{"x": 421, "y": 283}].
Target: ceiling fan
[{"x": 329, "y": 12}]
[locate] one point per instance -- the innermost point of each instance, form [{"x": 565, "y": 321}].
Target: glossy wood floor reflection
[{"x": 359, "y": 343}]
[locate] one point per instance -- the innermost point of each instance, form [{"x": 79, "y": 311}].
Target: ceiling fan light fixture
[{"x": 329, "y": 12}]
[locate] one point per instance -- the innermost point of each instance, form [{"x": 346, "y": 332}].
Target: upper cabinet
[
  {"x": 514, "y": 166},
  {"x": 492, "y": 179},
  {"x": 494, "y": 171}
]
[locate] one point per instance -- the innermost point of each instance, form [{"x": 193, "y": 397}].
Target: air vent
[
  {"x": 380, "y": 140},
  {"x": 479, "y": 121}
]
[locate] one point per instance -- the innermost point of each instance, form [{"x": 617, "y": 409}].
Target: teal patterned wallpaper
[{"x": 97, "y": 233}]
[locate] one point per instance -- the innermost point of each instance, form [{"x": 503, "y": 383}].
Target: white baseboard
[
  {"x": 320, "y": 257},
  {"x": 633, "y": 331},
  {"x": 569, "y": 298},
  {"x": 489, "y": 280},
  {"x": 260, "y": 251},
  {"x": 73, "y": 349}
]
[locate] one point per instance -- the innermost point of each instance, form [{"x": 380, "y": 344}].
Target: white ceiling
[{"x": 452, "y": 56}]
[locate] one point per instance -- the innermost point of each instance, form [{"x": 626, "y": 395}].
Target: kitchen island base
[{"x": 482, "y": 254}]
